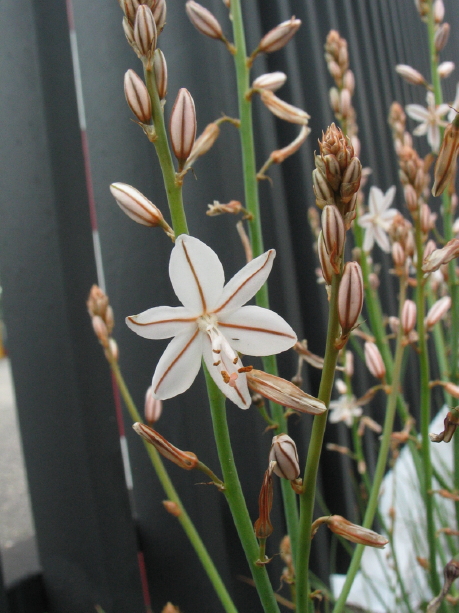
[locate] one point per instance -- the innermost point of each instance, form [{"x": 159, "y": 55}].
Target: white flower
[
  {"x": 455, "y": 105},
  {"x": 344, "y": 409},
  {"x": 378, "y": 219},
  {"x": 212, "y": 324},
  {"x": 430, "y": 118}
]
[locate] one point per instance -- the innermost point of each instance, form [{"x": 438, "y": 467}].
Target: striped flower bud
[
  {"x": 334, "y": 99},
  {"x": 136, "y": 206},
  {"x": 183, "y": 126},
  {"x": 334, "y": 234},
  {"x": 130, "y": 9},
  {"x": 411, "y": 197},
  {"x": 129, "y": 33},
  {"x": 159, "y": 14},
  {"x": 345, "y": 103},
  {"x": 137, "y": 96},
  {"x": 445, "y": 69},
  {"x": 398, "y": 255},
  {"x": 408, "y": 318},
  {"x": 285, "y": 455},
  {"x": 349, "y": 364},
  {"x": 349, "y": 81},
  {"x": 410, "y": 74},
  {"x": 283, "y": 392},
  {"x": 437, "y": 311},
  {"x": 438, "y": 11},
  {"x": 425, "y": 218},
  {"x": 441, "y": 36},
  {"x": 283, "y": 109},
  {"x": 279, "y": 36},
  {"x": 429, "y": 248},
  {"x": 351, "y": 180},
  {"x": 441, "y": 256},
  {"x": 184, "y": 459},
  {"x": 203, "y": 143},
  {"x": 203, "y": 20},
  {"x": 322, "y": 189},
  {"x": 324, "y": 258},
  {"x": 356, "y": 534},
  {"x": 160, "y": 68},
  {"x": 263, "y": 526},
  {"x": 145, "y": 33},
  {"x": 153, "y": 407},
  {"x": 445, "y": 165},
  {"x": 374, "y": 361},
  {"x": 350, "y": 296},
  {"x": 332, "y": 170},
  {"x": 271, "y": 80}
]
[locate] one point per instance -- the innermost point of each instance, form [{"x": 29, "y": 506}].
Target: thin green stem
[
  {"x": 235, "y": 497},
  {"x": 172, "y": 495},
  {"x": 303, "y": 602},
  {"x": 380, "y": 465},
  {"x": 173, "y": 188}
]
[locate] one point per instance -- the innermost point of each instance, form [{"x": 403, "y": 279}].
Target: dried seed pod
[
  {"x": 410, "y": 74},
  {"x": 153, "y": 407},
  {"x": 183, "y": 126},
  {"x": 374, "y": 361},
  {"x": 271, "y": 80},
  {"x": 145, "y": 33},
  {"x": 441, "y": 256},
  {"x": 350, "y": 296},
  {"x": 334, "y": 234},
  {"x": 283, "y": 109},
  {"x": 136, "y": 206},
  {"x": 137, "y": 96},
  {"x": 279, "y": 36},
  {"x": 280, "y": 155},
  {"x": 263, "y": 526},
  {"x": 437, "y": 311},
  {"x": 184, "y": 459},
  {"x": 445, "y": 166},
  {"x": 450, "y": 424},
  {"x": 284, "y": 453},
  {"x": 203, "y": 20},
  {"x": 408, "y": 318},
  {"x": 160, "y": 68},
  {"x": 356, "y": 534}
]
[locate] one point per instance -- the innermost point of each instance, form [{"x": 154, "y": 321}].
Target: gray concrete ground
[{"x": 17, "y": 543}]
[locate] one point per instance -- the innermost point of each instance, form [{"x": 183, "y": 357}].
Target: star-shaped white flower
[
  {"x": 345, "y": 408},
  {"x": 212, "y": 323},
  {"x": 378, "y": 219},
  {"x": 430, "y": 118}
]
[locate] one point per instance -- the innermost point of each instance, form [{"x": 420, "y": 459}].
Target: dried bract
[
  {"x": 356, "y": 534},
  {"x": 445, "y": 166},
  {"x": 184, "y": 459},
  {"x": 263, "y": 526},
  {"x": 450, "y": 423}
]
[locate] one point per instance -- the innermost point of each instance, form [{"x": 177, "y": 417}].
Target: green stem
[
  {"x": 235, "y": 497},
  {"x": 172, "y": 495},
  {"x": 173, "y": 188},
  {"x": 256, "y": 236},
  {"x": 380, "y": 465},
  {"x": 303, "y": 602}
]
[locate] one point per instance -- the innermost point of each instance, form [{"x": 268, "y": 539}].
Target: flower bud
[
  {"x": 130, "y": 9},
  {"x": 100, "y": 330},
  {"x": 437, "y": 311},
  {"x": 334, "y": 234},
  {"x": 411, "y": 197},
  {"x": 398, "y": 255},
  {"x": 445, "y": 165},
  {"x": 136, "y": 206},
  {"x": 350, "y": 296},
  {"x": 271, "y": 80},
  {"x": 410, "y": 74},
  {"x": 129, "y": 33},
  {"x": 283, "y": 109},
  {"x": 349, "y": 364},
  {"x": 441, "y": 36},
  {"x": 394, "y": 324},
  {"x": 374, "y": 361},
  {"x": 203, "y": 20},
  {"x": 425, "y": 218},
  {"x": 283, "y": 392},
  {"x": 170, "y": 608},
  {"x": 441, "y": 256},
  {"x": 183, "y": 126},
  {"x": 159, "y": 15},
  {"x": 408, "y": 318},
  {"x": 351, "y": 180},
  {"x": 285, "y": 455},
  {"x": 324, "y": 258},
  {"x": 172, "y": 508},
  {"x": 345, "y": 103},
  {"x": 332, "y": 170},
  {"x": 279, "y": 36},
  {"x": 429, "y": 248},
  {"x": 349, "y": 81},
  {"x": 203, "y": 143},
  {"x": 153, "y": 407},
  {"x": 145, "y": 33},
  {"x": 137, "y": 96},
  {"x": 438, "y": 11},
  {"x": 445, "y": 69},
  {"x": 356, "y": 534},
  {"x": 334, "y": 99},
  {"x": 322, "y": 189},
  {"x": 263, "y": 526},
  {"x": 97, "y": 302},
  {"x": 160, "y": 68},
  {"x": 184, "y": 459}
]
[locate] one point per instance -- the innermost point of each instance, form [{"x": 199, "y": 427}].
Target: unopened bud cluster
[{"x": 102, "y": 320}]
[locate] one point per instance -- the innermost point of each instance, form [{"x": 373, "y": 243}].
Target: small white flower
[
  {"x": 455, "y": 105},
  {"x": 430, "y": 118},
  {"x": 212, "y": 324},
  {"x": 344, "y": 409},
  {"x": 378, "y": 219}
]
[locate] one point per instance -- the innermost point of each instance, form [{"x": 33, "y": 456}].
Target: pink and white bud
[
  {"x": 130, "y": 9},
  {"x": 129, "y": 33},
  {"x": 349, "y": 83},
  {"x": 160, "y": 68},
  {"x": 100, "y": 330},
  {"x": 411, "y": 197},
  {"x": 408, "y": 318},
  {"x": 203, "y": 143},
  {"x": 351, "y": 180},
  {"x": 438, "y": 11},
  {"x": 374, "y": 361},
  {"x": 153, "y": 407},
  {"x": 356, "y": 534},
  {"x": 322, "y": 189},
  {"x": 345, "y": 102},
  {"x": 452, "y": 389},
  {"x": 445, "y": 166},
  {"x": 285, "y": 455},
  {"x": 271, "y": 80},
  {"x": 410, "y": 74},
  {"x": 183, "y": 126},
  {"x": 145, "y": 33},
  {"x": 334, "y": 99},
  {"x": 394, "y": 324},
  {"x": 203, "y": 20},
  {"x": 426, "y": 218},
  {"x": 283, "y": 392},
  {"x": 441, "y": 36},
  {"x": 441, "y": 256},
  {"x": 445, "y": 69},
  {"x": 279, "y": 36},
  {"x": 349, "y": 364},
  {"x": 283, "y": 109},
  {"x": 184, "y": 459},
  {"x": 159, "y": 14},
  {"x": 137, "y": 96},
  {"x": 350, "y": 296},
  {"x": 429, "y": 248},
  {"x": 437, "y": 311},
  {"x": 332, "y": 170},
  {"x": 136, "y": 206},
  {"x": 398, "y": 255},
  {"x": 334, "y": 234},
  {"x": 324, "y": 258}
]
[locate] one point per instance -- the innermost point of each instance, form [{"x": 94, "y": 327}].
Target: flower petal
[
  {"x": 246, "y": 283},
  {"x": 196, "y": 274},
  {"x": 162, "y": 322},
  {"x": 178, "y": 366},
  {"x": 253, "y": 330},
  {"x": 417, "y": 112},
  {"x": 239, "y": 394},
  {"x": 369, "y": 239},
  {"x": 375, "y": 200},
  {"x": 387, "y": 198},
  {"x": 381, "y": 238}
]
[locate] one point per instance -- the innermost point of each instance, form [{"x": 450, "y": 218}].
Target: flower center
[{"x": 220, "y": 346}]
